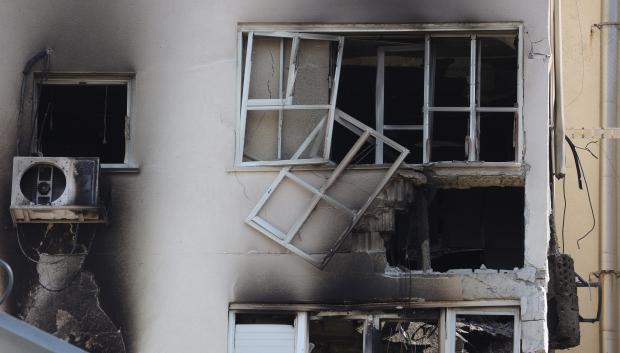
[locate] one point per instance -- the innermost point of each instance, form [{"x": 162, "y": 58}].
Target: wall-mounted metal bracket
[{"x": 582, "y": 283}]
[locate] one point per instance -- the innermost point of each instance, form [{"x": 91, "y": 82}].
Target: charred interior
[
  {"x": 466, "y": 228},
  {"x": 390, "y": 69},
  {"x": 82, "y": 120}
]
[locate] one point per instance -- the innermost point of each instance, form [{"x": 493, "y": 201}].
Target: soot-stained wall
[{"x": 176, "y": 251}]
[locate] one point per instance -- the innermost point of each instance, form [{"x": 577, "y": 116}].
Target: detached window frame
[
  {"x": 446, "y": 324},
  {"x": 428, "y": 31},
  {"x": 129, "y": 163}
]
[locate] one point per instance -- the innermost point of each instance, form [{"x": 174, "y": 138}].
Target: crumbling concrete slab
[{"x": 65, "y": 303}]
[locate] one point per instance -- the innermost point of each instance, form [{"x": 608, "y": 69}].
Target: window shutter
[{"x": 264, "y": 339}]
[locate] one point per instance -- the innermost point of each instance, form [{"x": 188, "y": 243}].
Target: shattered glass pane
[
  {"x": 484, "y": 334},
  {"x": 261, "y": 136},
  {"x": 267, "y": 131},
  {"x": 315, "y": 65},
  {"x": 266, "y": 82},
  {"x": 296, "y": 126}
]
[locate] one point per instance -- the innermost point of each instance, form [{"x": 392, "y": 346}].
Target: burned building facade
[{"x": 289, "y": 176}]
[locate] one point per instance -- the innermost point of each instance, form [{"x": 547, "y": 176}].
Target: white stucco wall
[{"x": 177, "y": 251}]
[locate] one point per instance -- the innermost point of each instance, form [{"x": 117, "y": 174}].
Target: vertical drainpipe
[{"x": 608, "y": 191}]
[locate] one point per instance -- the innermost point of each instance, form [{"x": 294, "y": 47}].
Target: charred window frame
[
  {"x": 480, "y": 119},
  {"x": 123, "y": 86},
  {"x": 437, "y": 326}
]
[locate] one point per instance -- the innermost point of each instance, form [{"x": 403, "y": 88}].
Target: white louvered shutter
[{"x": 264, "y": 339}]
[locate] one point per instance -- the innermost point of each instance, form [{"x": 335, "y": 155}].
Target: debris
[{"x": 65, "y": 303}]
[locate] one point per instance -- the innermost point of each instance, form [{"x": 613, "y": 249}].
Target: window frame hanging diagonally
[
  {"x": 286, "y": 237},
  {"x": 284, "y": 101}
]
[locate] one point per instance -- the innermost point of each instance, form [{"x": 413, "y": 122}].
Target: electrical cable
[
  {"x": 563, "y": 211},
  {"x": 591, "y": 208},
  {"x": 581, "y": 176}
]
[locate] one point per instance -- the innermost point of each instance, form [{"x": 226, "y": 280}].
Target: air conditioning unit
[{"x": 56, "y": 190}]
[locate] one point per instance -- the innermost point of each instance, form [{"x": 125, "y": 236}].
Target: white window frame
[
  {"x": 429, "y": 30},
  {"x": 285, "y": 237},
  {"x": 446, "y": 324},
  {"x": 78, "y": 79},
  {"x": 473, "y": 108},
  {"x": 380, "y": 99},
  {"x": 285, "y": 96}
]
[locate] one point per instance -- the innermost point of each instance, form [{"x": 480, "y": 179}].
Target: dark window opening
[
  {"x": 336, "y": 335},
  {"x": 451, "y": 58},
  {"x": 498, "y": 71},
  {"x": 497, "y": 136},
  {"x": 265, "y": 319},
  {"x": 467, "y": 228},
  {"x": 82, "y": 120},
  {"x": 449, "y": 136},
  {"x": 484, "y": 334}
]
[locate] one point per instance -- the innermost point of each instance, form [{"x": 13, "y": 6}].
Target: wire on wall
[{"x": 581, "y": 181}]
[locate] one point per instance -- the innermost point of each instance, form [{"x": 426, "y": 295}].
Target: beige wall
[{"x": 581, "y": 81}]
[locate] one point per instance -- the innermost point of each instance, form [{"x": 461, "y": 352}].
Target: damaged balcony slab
[
  {"x": 65, "y": 303},
  {"x": 461, "y": 175}
]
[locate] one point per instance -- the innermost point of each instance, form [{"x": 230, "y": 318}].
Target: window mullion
[
  {"x": 379, "y": 109},
  {"x": 473, "y": 136},
  {"x": 301, "y": 334},
  {"x": 426, "y": 150},
  {"x": 245, "y": 93},
  {"x": 292, "y": 70},
  {"x": 280, "y": 96}
]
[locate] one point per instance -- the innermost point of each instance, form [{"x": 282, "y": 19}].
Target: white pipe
[
  {"x": 608, "y": 191},
  {"x": 558, "y": 93}
]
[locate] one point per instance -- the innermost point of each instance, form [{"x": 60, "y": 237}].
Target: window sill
[{"x": 487, "y": 168}]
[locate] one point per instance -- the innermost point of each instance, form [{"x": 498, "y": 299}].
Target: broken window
[
  {"x": 290, "y": 82},
  {"x": 313, "y": 99},
  {"x": 293, "y": 209},
  {"x": 84, "y": 116},
  {"x": 466, "y": 228},
  {"x": 429, "y": 330},
  {"x": 446, "y": 97},
  {"x": 483, "y": 331}
]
